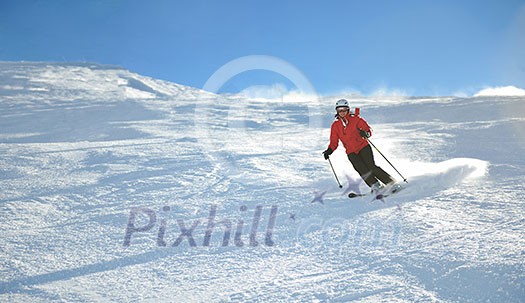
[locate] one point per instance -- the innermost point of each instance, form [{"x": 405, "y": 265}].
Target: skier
[{"x": 353, "y": 131}]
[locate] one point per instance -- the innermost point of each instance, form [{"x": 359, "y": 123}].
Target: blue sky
[{"x": 419, "y": 47}]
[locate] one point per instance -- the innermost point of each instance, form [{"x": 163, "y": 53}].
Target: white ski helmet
[{"x": 341, "y": 103}]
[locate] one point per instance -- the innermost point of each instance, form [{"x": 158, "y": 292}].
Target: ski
[
  {"x": 355, "y": 195},
  {"x": 378, "y": 196}
]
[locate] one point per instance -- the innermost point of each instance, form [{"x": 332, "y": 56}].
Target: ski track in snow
[{"x": 85, "y": 146}]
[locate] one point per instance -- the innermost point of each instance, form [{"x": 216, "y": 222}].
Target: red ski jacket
[{"x": 347, "y": 131}]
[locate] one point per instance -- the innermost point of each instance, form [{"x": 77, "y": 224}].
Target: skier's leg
[
  {"x": 363, "y": 170},
  {"x": 368, "y": 159}
]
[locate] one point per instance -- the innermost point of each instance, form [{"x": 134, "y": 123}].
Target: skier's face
[{"x": 342, "y": 111}]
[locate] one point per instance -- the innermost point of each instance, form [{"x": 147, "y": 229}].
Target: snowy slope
[{"x": 118, "y": 187}]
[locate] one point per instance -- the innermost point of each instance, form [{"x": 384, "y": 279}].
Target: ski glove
[
  {"x": 327, "y": 153},
  {"x": 364, "y": 134}
]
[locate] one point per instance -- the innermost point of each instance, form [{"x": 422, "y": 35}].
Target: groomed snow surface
[{"x": 121, "y": 188}]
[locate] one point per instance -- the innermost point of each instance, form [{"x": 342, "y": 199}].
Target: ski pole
[
  {"x": 339, "y": 183},
  {"x": 404, "y": 179}
]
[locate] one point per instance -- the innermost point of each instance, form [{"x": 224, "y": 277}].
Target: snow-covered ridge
[
  {"x": 70, "y": 81},
  {"x": 507, "y": 91}
]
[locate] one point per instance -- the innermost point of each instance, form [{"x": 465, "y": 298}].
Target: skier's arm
[
  {"x": 334, "y": 142},
  {"x": 363, "y": 125},
  {"x": 334, "y": 138}
]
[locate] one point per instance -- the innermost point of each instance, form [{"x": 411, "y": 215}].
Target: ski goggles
[{"x": 342, "y": 109}]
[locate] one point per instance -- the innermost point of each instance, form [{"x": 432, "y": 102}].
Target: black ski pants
[{"x": 364, "y": 164}]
